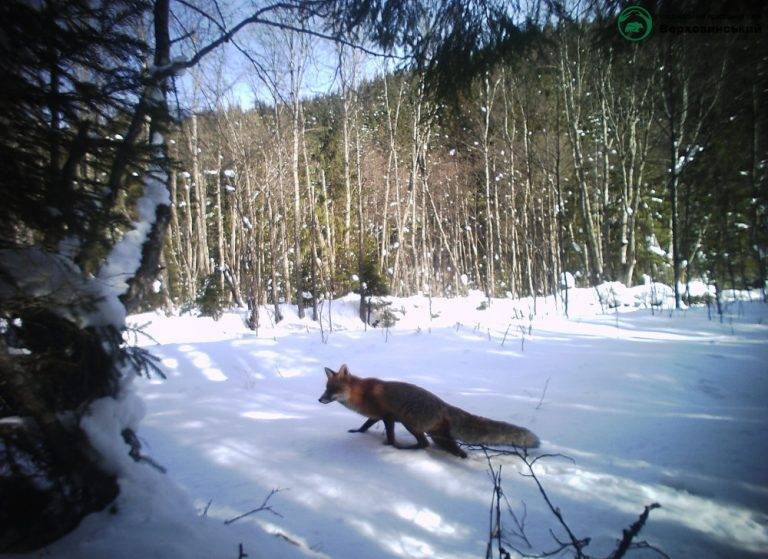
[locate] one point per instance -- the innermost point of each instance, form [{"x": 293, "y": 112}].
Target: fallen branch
[{"x": 264, "y": 506}]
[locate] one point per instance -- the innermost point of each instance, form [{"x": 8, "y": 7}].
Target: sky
[{"x": 228, "y": 71}]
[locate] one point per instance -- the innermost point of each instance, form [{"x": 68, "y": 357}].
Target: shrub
[{"x": 211, "y": 298}]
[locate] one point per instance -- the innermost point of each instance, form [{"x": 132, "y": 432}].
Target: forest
[{"x": 580, "y": 153}]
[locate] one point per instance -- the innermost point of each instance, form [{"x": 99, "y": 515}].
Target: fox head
[{"x": 337, "y": 387}]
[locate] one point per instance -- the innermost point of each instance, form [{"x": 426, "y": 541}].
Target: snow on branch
[{"x": 125, "y": 258}]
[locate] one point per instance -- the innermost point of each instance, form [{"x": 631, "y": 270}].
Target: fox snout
[
  {"x": 337, "y": 386},
  {"x": 326, "y": 398}
]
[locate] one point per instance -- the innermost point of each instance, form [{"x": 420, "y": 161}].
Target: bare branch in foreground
[
  {"x": 628, "y": 534},
  {"x": 572, "y": 542},
  {"x": 645, "y": 545}
]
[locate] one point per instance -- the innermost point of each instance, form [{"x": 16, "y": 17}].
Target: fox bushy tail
[{"x": 475, "y": 429}]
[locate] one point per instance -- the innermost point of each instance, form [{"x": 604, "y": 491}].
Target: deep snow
[{"x": 667, "y": 407}]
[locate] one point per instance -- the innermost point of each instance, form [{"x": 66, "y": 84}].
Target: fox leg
[
  {"x": 389, "y": 427},
  {"x": 421, "y": 439},
  {"x": 370, "y": 422},
  {"x": 443, "y": 439},
  {"x": 448, "y": 444}
]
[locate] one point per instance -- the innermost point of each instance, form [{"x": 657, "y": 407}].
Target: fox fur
[{"x": 420, "y": 412}]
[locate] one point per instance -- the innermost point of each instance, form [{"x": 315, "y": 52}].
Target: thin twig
[
  {"x": 645, "y": 545},
  {"x": 543, "y": 393},
  {"x": 264, "y": 506},
  {"x": 207, "y": 506},
  {"x": 505, "y": 334}
]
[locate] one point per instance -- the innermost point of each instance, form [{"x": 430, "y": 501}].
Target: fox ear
[
  {"x": 343, "y": 370},
  {"x": 329, "y": 373}
]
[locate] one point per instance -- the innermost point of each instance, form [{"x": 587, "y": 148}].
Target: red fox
[{"x": 420, "y": 412}]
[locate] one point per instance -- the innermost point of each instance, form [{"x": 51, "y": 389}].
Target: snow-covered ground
[{"x": 666, "y": 407}]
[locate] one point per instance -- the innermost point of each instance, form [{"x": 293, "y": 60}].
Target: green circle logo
[{"x": 634, "y": 23}]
